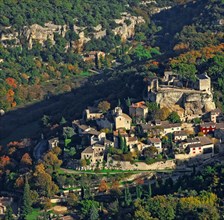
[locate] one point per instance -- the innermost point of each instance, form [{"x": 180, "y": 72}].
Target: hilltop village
[{"x": 173, "y": 125}]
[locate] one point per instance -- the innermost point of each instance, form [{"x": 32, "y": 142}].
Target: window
[
  {"x": 199, "y": 148},
  {"x": 194, "y": 152},
  {"x": 193, "y": 148}
]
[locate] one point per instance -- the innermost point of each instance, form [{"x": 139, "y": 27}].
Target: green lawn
[
  {"x": 34, "y": 214},
  {"x": 85, "y": 74}
]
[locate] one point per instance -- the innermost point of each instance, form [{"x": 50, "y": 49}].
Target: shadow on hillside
[
  {"x": 173, "y": 20},
  {"x": 24, "y": 122}
]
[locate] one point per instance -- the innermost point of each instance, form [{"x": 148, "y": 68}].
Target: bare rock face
[
  {"x": 127, "y": 25},
  {"x": 36, "y": 32},
  {"x": 191, "y": 103},
  {"x": 8, "y": 34},
  {"x": 42, "y": 34}
]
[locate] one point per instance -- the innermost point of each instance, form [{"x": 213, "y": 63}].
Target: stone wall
[
  {"x": 192, "y": 157},
  {"x": 126, "y": 165}
]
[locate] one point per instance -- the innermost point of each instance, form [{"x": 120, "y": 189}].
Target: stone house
[
  {"x": 138, "y": 110},
  {"x": 94, "y": 154},
  {"x": 132, "y": 142},
  {"x": 170, "y": 128},
  {"x": 210, "y": 127},
  {"x": 207, "y": 127},
  {"x": 94, "y": 136},
  {"x": 151, "y": 130},
  {"x": 189, "y": 141},
  {"x": 180, "y": 135},
  {"x": 53, "y": 142},
  {"x": 121, "y": 119},
  {"x": 204, "y": 146},
  {"x": 79, "y": 127},
  {"x": 92, "y": 55},
  {"x": 155, "y": 142},
  {"x": 92, "y": 113},
  {"x": 214, "y": 114},
  {"x": 4, "y": 202}
]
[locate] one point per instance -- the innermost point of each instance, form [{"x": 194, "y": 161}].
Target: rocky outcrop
[
  {"x": 9, "y": 35},
  {"x": 42, "y": 34},
  {"x": 127, "y": 25},
  {"x": 192, "y": 103},
  {"x": 126, "y": 29}
]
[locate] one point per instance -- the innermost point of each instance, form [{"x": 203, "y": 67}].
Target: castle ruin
[{"x": 189, "y": 102}]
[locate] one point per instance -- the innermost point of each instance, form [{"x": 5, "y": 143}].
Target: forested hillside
[{"x": 150, "y": 37}]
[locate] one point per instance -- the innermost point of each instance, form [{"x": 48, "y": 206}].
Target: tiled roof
[
  {"x": 139, "y": 105},
  {"x": 204, "y": 140},
  {"x": 88, "y": 150},
  {"x": 154, "y": 140},
  {"x": 180, "y": 133}
]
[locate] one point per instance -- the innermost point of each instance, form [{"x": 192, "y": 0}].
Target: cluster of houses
[{"x": 103, "y": 130}]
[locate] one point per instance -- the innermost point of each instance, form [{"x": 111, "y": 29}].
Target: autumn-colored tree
[
  {"x": 51, "y": 160},
  {"x": 72, "y": 199},
  {"x": 104, "y": 106},
  {"x": 103, "y": 187},
  {"x": 43, "y": 182},
  {"x": 56, "y": 151},
  {"x": 26, "y": 159},
  {"x": 4, "y": 161},
  {"x": 11, "y": 82},
  {"x": 19, "y": 182},
  {"x": 83, "y": 163},
  {"x": 115, "y": 187},
  {"x": 163, "y": 113}
]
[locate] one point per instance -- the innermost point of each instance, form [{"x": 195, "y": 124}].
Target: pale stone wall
[
  {"x": 190, "y": 156},
  {"x": 122, "y": 122},
  {"x": 126, "y": 165}
]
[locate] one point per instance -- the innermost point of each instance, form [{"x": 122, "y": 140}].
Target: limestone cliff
[
  {"x": 188, "y": 103},
  {"x": 41, "y": 34},
  {"x": 127, "y": 29}
]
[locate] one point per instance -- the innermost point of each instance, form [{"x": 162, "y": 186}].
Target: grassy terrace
[
  {"x": 111, "y": 172},
  {"x": 34, "y": 214}
]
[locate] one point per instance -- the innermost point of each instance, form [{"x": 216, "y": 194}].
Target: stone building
[
  {"x": 138, "y": 110},
  {"x": 121, "y": 119},
  {"x": 94, "y": 154},
  {"x": 204, "y": 83},
  {"x": 92, "y": 113},
  {"x": 189, "y": 103}
]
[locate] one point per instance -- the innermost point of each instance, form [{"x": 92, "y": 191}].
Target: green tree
[
  {"x": 104, "y": 106},
  {"x": 127, "y": 196},
  {"x": 72, "y": 199},
  {"x": 9, "y": 213},
  {"x": 149, "y": 190},
  {"x": 141, "y": 213},
  {"x": 68, "y": 132},
  {"x": 94, "y": 214},
  {"x": 138, "y": 191},
  {"x": 174, "y": 117},
  {"x": 141, "y": 53},
  {"x": 63, "y": 121},
  {"x": 26, "y": 207},
  {"x": 45, "y": 120}
]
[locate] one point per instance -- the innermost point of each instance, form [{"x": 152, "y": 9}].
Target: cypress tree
[
  {"x": 9, "y": 213},
  {"x": 138, "y": 191},
  {"x": 150, "y": 191},
  {"x": 94, "y": 214},
  {"x": 127, "y": 196},
  {"x": 26, "y": 207}
]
